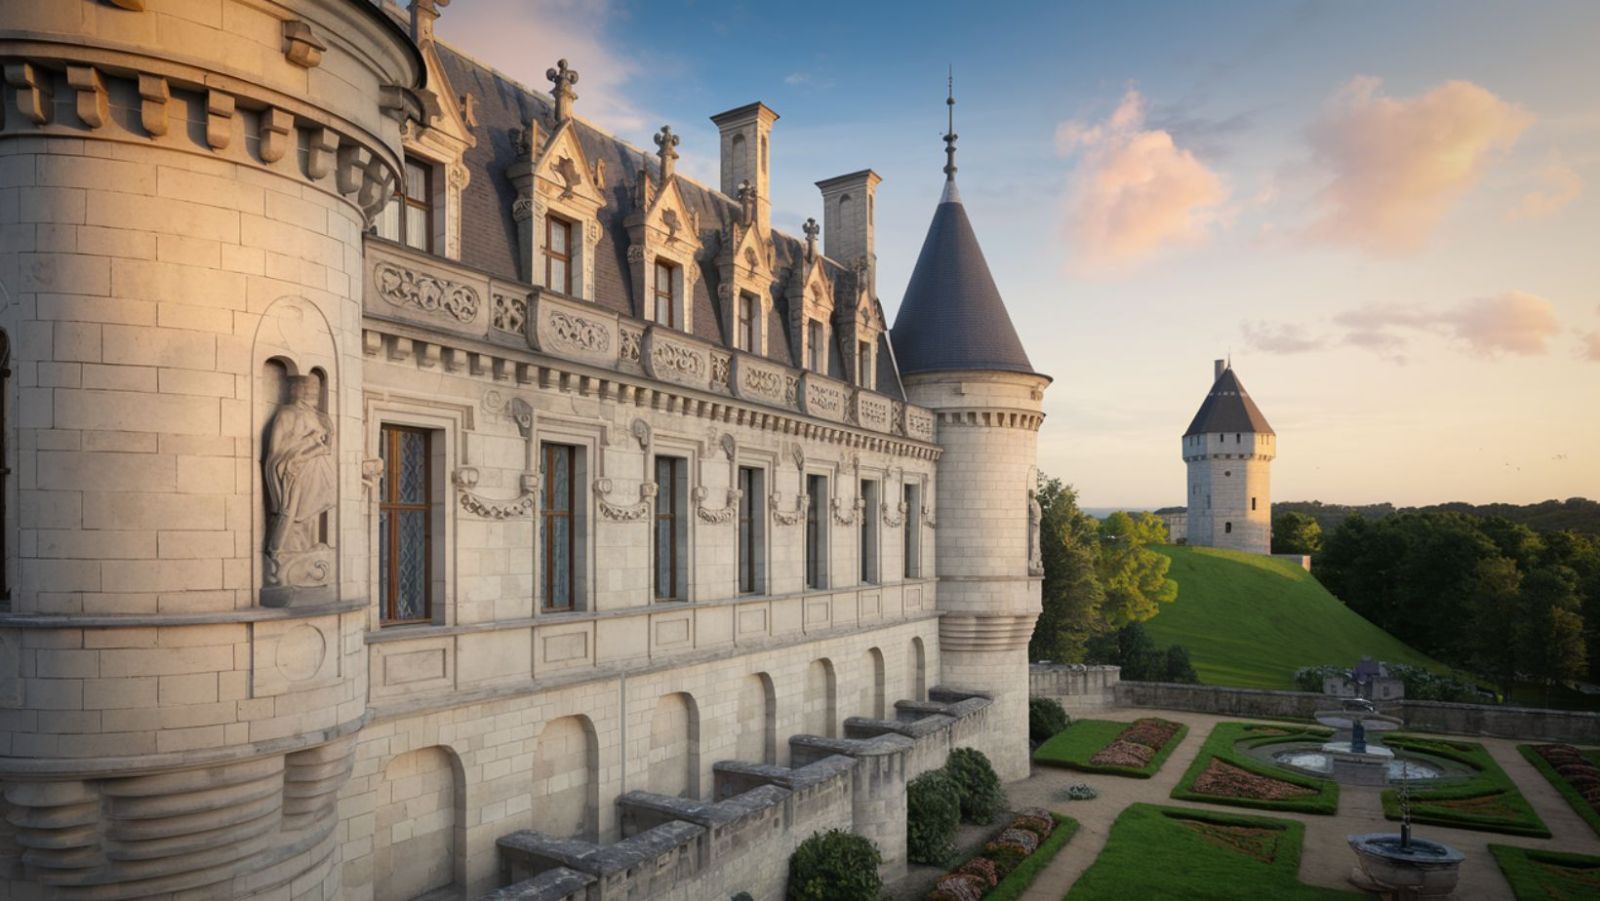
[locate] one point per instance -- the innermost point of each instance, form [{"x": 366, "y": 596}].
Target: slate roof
[
  {"x": 952, "y": 316},
  {"x": 1228, "y": 408},
  {"x": 488, "y": 232}
]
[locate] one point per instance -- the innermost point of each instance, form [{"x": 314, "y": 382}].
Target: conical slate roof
[
  {"x": 952, "y": 316},
  {"x": 1228, "y": 408}
]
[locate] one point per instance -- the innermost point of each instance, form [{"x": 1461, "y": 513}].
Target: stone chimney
[
  {"x": 745, "y": 155},
  {"x": 1218, "y": 368},
  {"x": 847, "y": 222}
]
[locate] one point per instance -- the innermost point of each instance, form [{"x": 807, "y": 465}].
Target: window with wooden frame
[
  {"x": 666, "y": 311},
  {"x": 816, "y": 531},
  {"x": 5, "y": 470},
  {"x": 751, "y": 520},
  {"x": 745, "y": 337},
  {"x": 558, "y": 553},
  {"x": 558, "y": 254},
  {"x": 814, "y": 349},
  {"x": 408, "y": 217},
  {"x": 405, "y": 526},
  {"x": 669, "y": 536}
]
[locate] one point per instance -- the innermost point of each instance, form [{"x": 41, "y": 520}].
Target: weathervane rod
[{"x": 950, "y": 132}]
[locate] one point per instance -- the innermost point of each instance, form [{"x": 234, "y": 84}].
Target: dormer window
[
  {"x": 408, "y": 218},
  {"x": 814, "y": 349},
  {"x": 666, "y": 296},
  {"x": 744, "y": 336},
  {"x": 864, "y": 364},
  {"x": 558, "y": 254}
]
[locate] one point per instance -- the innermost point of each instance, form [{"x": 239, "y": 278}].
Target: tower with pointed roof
[
  {"x": 960, "y": 357},
  {"x": 1228, "y": 449}
]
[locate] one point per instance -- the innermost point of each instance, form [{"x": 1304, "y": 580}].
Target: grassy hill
[{"x": 1251, "y": 621}]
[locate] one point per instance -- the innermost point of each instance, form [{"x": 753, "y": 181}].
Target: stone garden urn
[{"x": 1395, "y": 864}]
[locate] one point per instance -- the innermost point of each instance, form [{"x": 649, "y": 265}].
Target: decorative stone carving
[
  {"x": 277, "y": 134},
  {"x": 572, "y": 330},
  {"x": 641, "y": 433},
  {"x": 823, "y": 397},
  {"x": 302, "y": 483},
  {"x": 758, "y": 380},
  {"x": 301, "y": 45},
  {"x": 428, "y": 293},
  {"x": 32, "y": 90},
  {"x": 466, "y": 479},
  {"x": 630, "y": 341},
  {"x": 522, "y": 209},
  {"x": 851, "y": 518},
  {"x": 721, "y": 515},
  {"x": 785, "y": 518},
  {"x": 797, "y": 452},
  {"x": 90, "y": 88},
  {"x": 219, "y": 119},
  {"x": 623, "y": 512},
  {"x": 1035, "y": 549},
  {"x": 894, "y": 522},
  {"x": 509, "y": 313},
  {"x": 154, "y": 95},
  {"x": 371, "y": 472},
  {"x": 671, "y": 359},
  {"x": 579, "y": 333},
  {"x": 919, "y": 423},
  {"x": 720, "y": 364},
  {"x": 521, "y": 413},
  {"x": 561, "y": 80}
]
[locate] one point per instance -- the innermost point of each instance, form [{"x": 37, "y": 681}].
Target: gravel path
[{"x": 1326, "y": 859}]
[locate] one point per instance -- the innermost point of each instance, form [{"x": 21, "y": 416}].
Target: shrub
[
  {"x": 1179, "y": 669},
  {"x": 1005, "y": 857},
  {"x": 742, "y": 896},
  {"x": 1046, "y": 718},
  {"x": 835, "y": 866},
  {"x": 1082, "y": 791},
  {"x": 933, "y": 811},
  {"x": 976, "y": 785}
]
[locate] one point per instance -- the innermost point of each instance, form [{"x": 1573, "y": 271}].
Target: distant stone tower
[
  {"x": 1229, "y": 449},
  {"x": 960, "y": 357}
]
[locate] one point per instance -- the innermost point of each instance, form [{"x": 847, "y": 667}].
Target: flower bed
[
  {"x": 1575, "y": 773},
  {"x": 1222, "y": 773},
  {"x": 1010, "y": 861},
  {"x": 1135, "y": 749},
  {"x": 1536, "y": 874},
  {"x": 1488, "y": 801}
]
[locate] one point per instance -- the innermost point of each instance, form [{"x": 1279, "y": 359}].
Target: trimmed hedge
[
  {"x": 1046, "y": 718},
  {"x": 1074, "y": 748},
  {"x": 1556, "y": 881},
  {"x": 933, "y": 812},
  {"x": 1220, "y": 745},
  {"x": 976, "y": 784},
  {"x": 835, "y": 866},
  {"x": 1490, "y": 781},
  {"x": 1583, "y": 808}
]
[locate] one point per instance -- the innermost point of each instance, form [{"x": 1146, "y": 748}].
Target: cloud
[
  {"x": 1134, "y": 190},
  {"x": 807, "y": 80},
  {"x": 1591, "y": 346},
  {"x": 1559, "y": 185},
  {"x": 1515, "y": 322},
  {"x": 1395, "y": 166},
  {"x": 1281, "y": 337},
  {"x": 526, "y": 43}
]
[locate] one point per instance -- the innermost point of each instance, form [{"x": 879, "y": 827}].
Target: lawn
[
  {"x": 1074, "y": 747},
  {"x": 1548, "y": 875},
  {"x": 1488, "y": 801},
  {"x": 1250, "y": 621},
  {"x": 1319, "y": 796},
  {"x": 1166, "y": 852},
  {"x": 1583, "y": 808}
]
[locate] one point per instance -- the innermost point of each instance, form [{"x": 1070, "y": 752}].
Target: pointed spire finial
[
  {"x": 950, "y": 132},
  {"x": 812, "y": 229},
  {"x": 666, "y": 144},
  {"x": 562, "y": 79}
]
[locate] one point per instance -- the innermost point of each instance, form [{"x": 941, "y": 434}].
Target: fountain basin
[
  {"x": 1380, "y": 766},
  {"x": 1421, "y": 869}
]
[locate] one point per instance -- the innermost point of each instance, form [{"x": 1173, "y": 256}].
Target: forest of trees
[
  {"x": 1575, "y": 514},
  {"x": 1486, "y": 594}
]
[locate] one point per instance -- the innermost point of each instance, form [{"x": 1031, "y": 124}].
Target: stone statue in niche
[
  {"x": 301, "y": 479},
  {"x": 1035, "y": 548}
]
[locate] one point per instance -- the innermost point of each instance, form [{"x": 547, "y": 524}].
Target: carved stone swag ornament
[{"x": 301, "y": 481}]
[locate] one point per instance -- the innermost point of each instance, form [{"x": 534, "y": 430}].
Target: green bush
[
  {"x": 982, "y": 798},
  {"x": 835, "y": 866},
  {"x": 1046, "y": 718},
  {"x": 933, "y": 811}
]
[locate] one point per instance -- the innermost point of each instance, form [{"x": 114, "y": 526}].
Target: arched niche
[
  {"x": 415, "y": 841},
  {"x": 674, "y": 762},
  {"x": 758, "y": 720},
  {"x": 566, "y": 779},
  {"x": 821, "y": 699}
]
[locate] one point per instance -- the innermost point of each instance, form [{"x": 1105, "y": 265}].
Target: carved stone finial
[
  {"x": 423, "y": 12},
  {"x": 666, "y": 144},
  {"x": 469, "y": 109},
  {"x": 562, "y": 79},
  {"x": 812, "y": 229}
]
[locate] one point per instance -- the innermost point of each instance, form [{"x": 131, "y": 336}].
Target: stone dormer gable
[
  {"x": 810, "y": 297},
  {"x": 664, "y": 244},
  {"x": 744, "y": 263},
  {"x": 858, "y": 322},
  {"x": 559, "y": 196}
]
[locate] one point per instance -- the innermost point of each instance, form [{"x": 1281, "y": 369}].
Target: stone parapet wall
[
  {"x": 1529, "y": 723},
  {"x": 1077, "y": 686}
]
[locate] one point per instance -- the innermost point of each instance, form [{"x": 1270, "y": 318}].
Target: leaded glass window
[
  {"x": 816, "y": 529},
  {"x": 560, "y": 542},
  {"x": 405, "y": 526},
  {"x": 670, "y": 497},
  {"x": 558, "y": 254}
]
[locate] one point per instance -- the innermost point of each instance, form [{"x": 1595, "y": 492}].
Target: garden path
[{"x": 1326, "y": 859}]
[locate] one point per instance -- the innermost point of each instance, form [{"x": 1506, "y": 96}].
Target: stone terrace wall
[
  {"x": 1529, "y": 723},
  {"x": 1075, "y": 685}
]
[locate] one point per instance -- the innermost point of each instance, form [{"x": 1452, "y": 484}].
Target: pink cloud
[
  {"x": 1559, "y": 185},
  {"x": 1396, "y": 166},
  {"x": 1515, "y": 322},
  {"x": 1134, "y": 191}
]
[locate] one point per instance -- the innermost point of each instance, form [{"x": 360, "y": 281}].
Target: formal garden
[
  {"x": 1135, "y": 749},
  {"x": 1225, "y": 773}
]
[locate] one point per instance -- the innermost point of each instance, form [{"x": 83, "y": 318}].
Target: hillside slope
[{"x": 1251, "y": 621}]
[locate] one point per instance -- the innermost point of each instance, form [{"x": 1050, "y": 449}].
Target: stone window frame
[
  {"x": 652, "y": 242},
  {"x": 674, "y": 294},
  {"x": 674, "y": 498},
  {"x": 584, "y": 218},
  {"x": 689, "y": 450},
  {"x": 814, "y": 346},
  {"x": 767, "y": 464},
  {"x": 911, "y": 529},
  {"x": 589, "y": 437},
  {"x": 574, "y": 234},
  {"x": 743, "y": 266},
  {"x": 869, "y": 528},
  {"x": 433, "y": 495},
  {"x": 819, "y": 511},
  {"x": 447, "y": 425}
]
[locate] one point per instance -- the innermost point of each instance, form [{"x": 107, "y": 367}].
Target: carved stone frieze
[
  {"x": 672, "y": 359},
  {"x": 822, "y": 397},
  {"x": 568, "y": 329},
  {"x": 720, "y": 365},
  {"x": 623, "y": 512},
  {"x": 524, "y": 504},
  {"x": 723, "y": 514},
  {"x": 894, "y": 522},
  {"x": 509, "y": 312},
  {"x": 630, "y": 341},
  {"x": 851, "y": 518},
  {"x": 919, "y": 423},
  {"x": 757, "y": 380},
  {"x": 428, "y": 293},
  {"x": 872, "y": 411},
  {"x": 788, "y": 518}
]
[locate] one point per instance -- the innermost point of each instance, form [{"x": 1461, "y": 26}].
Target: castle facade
[{"x": 412, "y": 490}]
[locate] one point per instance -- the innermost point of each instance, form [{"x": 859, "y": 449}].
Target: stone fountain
[
  {"x": 1354, "y": 760},
  {"x": 1402, "y": 866}
]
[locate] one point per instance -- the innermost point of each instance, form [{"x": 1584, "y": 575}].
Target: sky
[{"x": 1387, "y": 215}]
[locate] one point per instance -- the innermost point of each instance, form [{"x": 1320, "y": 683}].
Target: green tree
[
  {"x": 1296, "y": 533},
  {"x": 1495, "y": 605},
  {"x": 1551, "y": 647},
  {"x": 1133, "y": 577},
  {"x": 1069, "y": 544}
]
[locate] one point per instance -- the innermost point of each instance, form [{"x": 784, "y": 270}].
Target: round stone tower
[
  {"x": 960, "y": 357},
  {"x": 1228, "y": 448},
  {"x": 184, "y": 186}
]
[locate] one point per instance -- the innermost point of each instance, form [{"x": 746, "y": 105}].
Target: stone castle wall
[{"x": 1230, "y": 490}]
